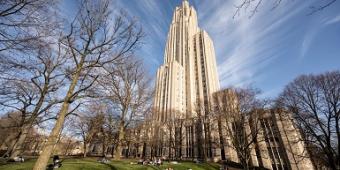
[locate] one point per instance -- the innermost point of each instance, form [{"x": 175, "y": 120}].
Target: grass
[{"x": 92, "y": 164}]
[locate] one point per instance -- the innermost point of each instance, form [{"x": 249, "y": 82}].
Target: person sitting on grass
[
  {"x": 103, "y": 160},
  {"x": 140, "y": 161},
  {"x": 56, "y": 162},
  {"x": 146, "y": 162},
  {"x": 154, "y": 162},
  {"x": 17, "y": 159},
  {"x": 159, "y": 162}
]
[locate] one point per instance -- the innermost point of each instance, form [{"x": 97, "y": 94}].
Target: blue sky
[{"x": 266, "y": 51}]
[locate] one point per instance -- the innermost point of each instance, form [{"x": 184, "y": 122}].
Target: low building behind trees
[{"x": 34, "y": 141}]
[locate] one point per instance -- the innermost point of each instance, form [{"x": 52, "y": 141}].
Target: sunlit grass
[{"x": 92, "y": 164}]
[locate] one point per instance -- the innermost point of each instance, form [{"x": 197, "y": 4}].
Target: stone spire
[{"x": 189, "y": 73}]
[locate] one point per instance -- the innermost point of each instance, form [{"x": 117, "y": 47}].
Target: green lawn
[{"x": 92, "y": 164}]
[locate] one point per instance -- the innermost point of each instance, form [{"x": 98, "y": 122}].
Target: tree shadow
[{"x": 111, "y": 166}]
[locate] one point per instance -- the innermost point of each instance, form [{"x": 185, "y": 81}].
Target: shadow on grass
[
  {"x": 93, "y": 164},
  {"x": 154, "y": 167},
  {"x": 111, "y": 166},
  {"x": 208, "y": 166}
]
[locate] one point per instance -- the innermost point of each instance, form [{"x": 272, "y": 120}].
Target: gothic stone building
[{"x": 183, "y": 126}]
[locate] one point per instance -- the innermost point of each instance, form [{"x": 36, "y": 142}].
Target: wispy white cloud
[
  {"x": 269, "y": 93},
  {"x": 245, "y": 46},
  {"x": 313, "y": 30},
  {"x": 155, "y": 23},
  {"x": 307, "y": 41},
  {"x": 333, "y": 20}
]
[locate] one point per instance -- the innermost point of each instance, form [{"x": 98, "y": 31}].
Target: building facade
[
  {"x": 184, "y": 87},
  {"x": 273, "y": 141},
  {"x": 184, "y": 125},
  {"x": 188, "y": 76}
]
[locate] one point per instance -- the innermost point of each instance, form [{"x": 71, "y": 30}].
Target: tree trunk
[
  {"x": 119, "y": 143},
  {"x": 9, "y": 141},
  {"x": 36, "y": 148},
  {"x": 246, "y": 166},
  {"x": 12, "y": 141},
  {"x": 85, "y": 149},
  {"x": 112, "y": 151},
  {"x": 199, "y": 138},
  {"x": 104, "y": 149},
  {"x": 144, "y": 151},
  {"x": 52, "y": 140},
  {"x": 17, "y": 148},
  {"x": 331, "y": 161},
  {"x": 244, "y": 163},
  {"x": 127, "y": 154},
  {"x": 337, "y": 126},
  {"x": 42, "y": 161},
  {"x": 220, "y": 133},
  {"x": 170, "y": 142},
  {"x": 67, "y": 148}
]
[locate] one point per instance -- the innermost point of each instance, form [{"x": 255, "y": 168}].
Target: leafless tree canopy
[
  {"x": 29, "y": 86},
  {"x": 89, "y": 124},
  {"x": 45, "y": 67},
  {"x": 238, "y": 112},
  {"x": 126, "y": 87},
  {"x": 315, "y": 102},
  {"x": 24, "y": 22},
  {"x": 253, "y": 6},
  {"x": 30, "y": 63},
  {"x": 76, "y": 58}
]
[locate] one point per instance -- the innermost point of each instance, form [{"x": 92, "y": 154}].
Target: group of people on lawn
[{"x": 155, "y": 161}]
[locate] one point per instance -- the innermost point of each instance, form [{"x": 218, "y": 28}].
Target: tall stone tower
[
  {"x": 181, "y": 127},
  {"x": 188, "y": 77}
]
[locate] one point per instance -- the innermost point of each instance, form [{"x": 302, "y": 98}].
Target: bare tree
[
  {"x": 9, "y": 124},
  {"x": 200, "y": 124},
  {"x": 237, "y": 111},
  {"x": 94, "y": 41},
  {"x": 29, "y": 87},
  {"x": 169, "y": 128},
  {"x": 314, "y": 101},
  {"x": 143, "y": 138},
  {"x": 88, "y": 125},
  {"x": 148, "y": 136},
  {"x": 66, "y": 140},
  {"x": 254, "y": 5},
  {"x": 28, "y": 62},
  {"x": 126, "y": 87},
  {"x": 111, "y": 131},
  {"x": 23, "y": 21},
  {"x": 10, "y": 128}
]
